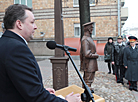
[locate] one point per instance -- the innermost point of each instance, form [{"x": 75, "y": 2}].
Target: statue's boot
[{"x": 89, "y": 85}]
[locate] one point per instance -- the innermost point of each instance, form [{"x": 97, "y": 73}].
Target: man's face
[
  {"x": 124, "y": 39},
  {"x": 29, "y": 26},
  {"x": 132, "y": 43},
  {"x": 119, "y": 40}
]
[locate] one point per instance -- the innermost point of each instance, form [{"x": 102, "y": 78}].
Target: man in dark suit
[
  {"x": 20, "y": 77},
  {"x": 117, "y": 59}
]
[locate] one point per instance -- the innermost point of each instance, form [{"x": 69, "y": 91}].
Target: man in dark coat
[
  {"x": 117, "y": 59},
  {"x": 131, "y": 63},
  {"x": 89, "y": 55},
  {"x": 20, "y": 77},
  {"x": 108, "y": 51}
]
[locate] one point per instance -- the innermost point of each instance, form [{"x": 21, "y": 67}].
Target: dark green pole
[{"x": 84, "y": 9}]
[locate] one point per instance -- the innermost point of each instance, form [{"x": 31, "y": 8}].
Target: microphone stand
[{"x": 87, "y": 95}]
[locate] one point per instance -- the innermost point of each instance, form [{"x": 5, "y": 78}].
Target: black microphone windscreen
[{"x": 51, "y": 44}]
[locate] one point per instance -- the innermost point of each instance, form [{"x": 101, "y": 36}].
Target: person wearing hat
[
  {"x": 108, "y": 51},
  {"x": 131, "y": 63},
  {"x": 125, "y": 39},
  {"x": 89, "y": 55},
  {"x": 117, "y": 59}
]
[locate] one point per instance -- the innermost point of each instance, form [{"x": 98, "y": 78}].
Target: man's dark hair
[{"x": 13, "y": 13}]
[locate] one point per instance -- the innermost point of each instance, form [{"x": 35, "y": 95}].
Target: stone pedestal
[{"x": 60, "y": 72}]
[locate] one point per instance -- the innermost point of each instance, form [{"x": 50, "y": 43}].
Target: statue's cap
[{"x": 89, "y": 23}]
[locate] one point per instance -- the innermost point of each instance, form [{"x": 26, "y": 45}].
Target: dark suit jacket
[{"x": 20, "y": 77}]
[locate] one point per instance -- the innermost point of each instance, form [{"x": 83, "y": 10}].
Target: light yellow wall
[
  {"x": 42, "y": 4},
  {"x": 105, "y": 25},
  {"x": 4, "y": 4},
  {"x": 46, "y": 26}
]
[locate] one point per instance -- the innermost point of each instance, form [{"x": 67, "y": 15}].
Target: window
[
  {"x": 94, "y": 30},
  {"x": 25, "y": 2},
  {"x": 76, "y": 3},
  {"x": 77, "y": 30}
]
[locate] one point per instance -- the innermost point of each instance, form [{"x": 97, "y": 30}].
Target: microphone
[{"x": 53, "y": 45}]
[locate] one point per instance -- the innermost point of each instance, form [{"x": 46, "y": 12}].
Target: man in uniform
[
  {"x": 117, "y": 59},
  {"x": 131, "y": 63},
  {"x": 124, "y": 39},
  {"x": 89, "y": 55}
]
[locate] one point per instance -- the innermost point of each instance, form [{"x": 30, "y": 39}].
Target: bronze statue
[{"x": 89, "y": 55}]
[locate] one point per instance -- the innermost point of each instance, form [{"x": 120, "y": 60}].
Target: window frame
[
  {"x": 20, "y": 2},
  {"x": 77, "y": 25},
  {"x": 26, "y": 2},
  {"x": 94, "y": 30}
]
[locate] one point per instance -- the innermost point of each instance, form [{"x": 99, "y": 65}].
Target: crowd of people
[{"x": 123, "y": 56}]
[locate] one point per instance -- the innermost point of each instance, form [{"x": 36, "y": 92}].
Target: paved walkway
[{"x": 101, "y": 78}]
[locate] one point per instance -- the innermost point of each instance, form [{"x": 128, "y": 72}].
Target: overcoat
[
  {"x": 89, "y": 54},
  {"x": 117, "y": 53},
  {"x": 131, "y": 61},
  {"x": 108, "y": 50},
  {"x": 20, "y": 77}
]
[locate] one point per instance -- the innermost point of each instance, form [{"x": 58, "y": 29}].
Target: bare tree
[{"x": 84, "y": 9}]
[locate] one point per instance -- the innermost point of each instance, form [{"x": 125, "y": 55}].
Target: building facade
[{"x": 104, "y": 14}]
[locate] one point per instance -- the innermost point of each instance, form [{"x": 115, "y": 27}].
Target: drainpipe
[{"x": 119, "y": 17}]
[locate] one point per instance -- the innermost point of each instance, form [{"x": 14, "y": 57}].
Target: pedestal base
[{"x": 60, "y": 72}]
